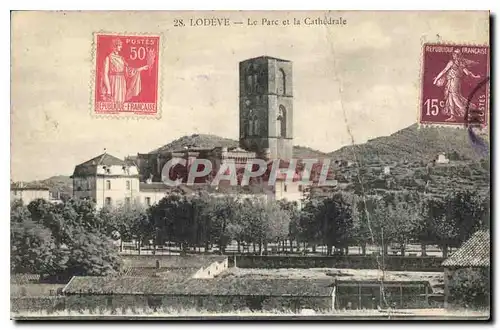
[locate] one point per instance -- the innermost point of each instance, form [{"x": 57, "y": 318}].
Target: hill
[
  {"x": 410, "y": 144},
  {"x": 197, "y": 141},
  {"x": 61, "y": 184},
  {"x": 407, "y": 152},
  {"x": 212, "y": 141}
]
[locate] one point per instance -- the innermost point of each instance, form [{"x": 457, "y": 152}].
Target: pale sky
[{"x": 366, "y": 73}]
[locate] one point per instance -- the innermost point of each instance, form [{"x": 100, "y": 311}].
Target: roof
[
  {"x": 175, "y": 274},
  {"x": 154, "y": 186},
  {"x": 202, "y": 287},
  {"x": 89, "y": 167},
  {"x": 27, "y": 186},
  {"x": 475, "y": 252},
  {"x": 264, "y": 57},
  {"x": 378, "y": 282},
  {"x": 171, "y": 262},
  {"x": 24, "y": 278}
]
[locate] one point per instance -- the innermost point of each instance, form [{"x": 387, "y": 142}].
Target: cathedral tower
[{"x": 266, "y": 107}]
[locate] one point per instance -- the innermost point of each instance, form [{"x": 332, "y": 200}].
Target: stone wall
[
  {"x": 395, "y": 263},
  {"x": 170, "y": 302}
]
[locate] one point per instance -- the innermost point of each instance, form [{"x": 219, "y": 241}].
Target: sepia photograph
[{"x": 250, "y": 165}]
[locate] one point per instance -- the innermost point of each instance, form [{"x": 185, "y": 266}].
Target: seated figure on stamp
[
  {"x": 120, "y": 81},
  {"x": 451, "y": 77}
]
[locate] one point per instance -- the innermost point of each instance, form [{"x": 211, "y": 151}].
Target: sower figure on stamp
[
  {"x": 450, "y": 77},
  {"x": 120, "y": 81}
]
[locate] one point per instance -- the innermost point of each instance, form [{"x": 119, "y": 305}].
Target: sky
[{"x": 351, "y": 83}]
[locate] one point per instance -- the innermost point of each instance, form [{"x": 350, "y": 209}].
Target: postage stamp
[
  {"x": 126, "y": 75},
  {"x": 455, "y": 85}
]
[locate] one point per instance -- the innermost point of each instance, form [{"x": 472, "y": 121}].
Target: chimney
[{"x": 157, "y": 264}]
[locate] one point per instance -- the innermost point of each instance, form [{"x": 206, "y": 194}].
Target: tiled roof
[
  {"x": 257, "y": 287},
  {"x": 475, "y": 252},
  {"x": 89, "y": 167},
  {"x": 216, "y": 287},
  {"x": 27, "y": 186},
  {"x": 265, "y": 57},
  {"x": 24, "y": 278},
  {"x": 166, "y": 273},
  {"x": 171, "y": 262}
]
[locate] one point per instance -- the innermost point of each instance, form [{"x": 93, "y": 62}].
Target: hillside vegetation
[
  {"x": 407, "y": 152},
  {"x": 410, "y": 144},
  {"x": 212, "y": 141}
]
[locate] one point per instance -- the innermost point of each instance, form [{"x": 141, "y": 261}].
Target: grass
[
  {"x": 34, "y": 290},
  {"x": 169, "y": 312}
]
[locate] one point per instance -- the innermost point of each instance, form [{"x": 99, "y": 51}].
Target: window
[
  {"x": 108, "y": 201},
  {"x": 108, "y": 184},
  {"x": 148, "y": 201},
  {"x": 281, "y": 122},
  {"x": 127, "y": 184},
  {"x": 281, "y": 82},
  {"x": 127, "y": 200},
  {"x": 285, "y": 187},
  {"x": 253, "y": 123}
]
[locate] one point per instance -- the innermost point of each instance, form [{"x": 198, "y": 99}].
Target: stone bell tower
[{"x": 266, "y": 107}]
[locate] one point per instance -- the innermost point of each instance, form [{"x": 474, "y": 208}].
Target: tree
[
  {"x": 33, "y": 249},
  {"x": 293, "y": 212},
  {"x": 131, "y": 221},
  {"x": 334, "y": 218},
  {"x": 91, "y": 253},
  {"x": 276, "y": 222},
  {"x": 19, "y": 212},
  {"x": 173, "y": 219},
  {"x": 402, "y": 219},
  {"x": 310, "y": 227},
  {"x": 450, "y": 220},
  {"x": 66, "y": 238},
  {"x": 221, "y": 219}
]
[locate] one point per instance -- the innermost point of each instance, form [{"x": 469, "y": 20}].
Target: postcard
[{"x": 250, "y": 165}]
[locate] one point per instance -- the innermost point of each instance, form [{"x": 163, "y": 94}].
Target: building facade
[
  {"x": 28, "y": 192},
  {"x": 467, "y": 273},
  {"x": 266, "y": 107},
  {"x": 107, "y": 180},
  {"x": 266, "y": 132}
]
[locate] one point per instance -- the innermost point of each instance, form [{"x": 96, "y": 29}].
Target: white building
[
  {"x": 107, "y": 180},
  {"x": 28, "y": 192},
  {"x": 110, "y": 181},
  {"x": 441, "y": 159}
]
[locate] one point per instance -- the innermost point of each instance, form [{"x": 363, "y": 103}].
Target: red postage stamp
[
  {"x": 455, "y": 85},
  {"x": 126, "y": 75}
]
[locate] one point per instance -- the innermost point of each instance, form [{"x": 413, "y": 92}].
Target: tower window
[
  {"x": 253, "y": 124},
  {"x": 127, "y": 184},
  {"x": 281, "y": 82},
  {"x": 108, "y": 184},
  {"x": 251, "y": 80},
  {"x": 249, "y": 83},
  {"x": 281, "y": 122},
  {"x": 148, "y": 201},
  {"x": 108, "y": 201}
]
